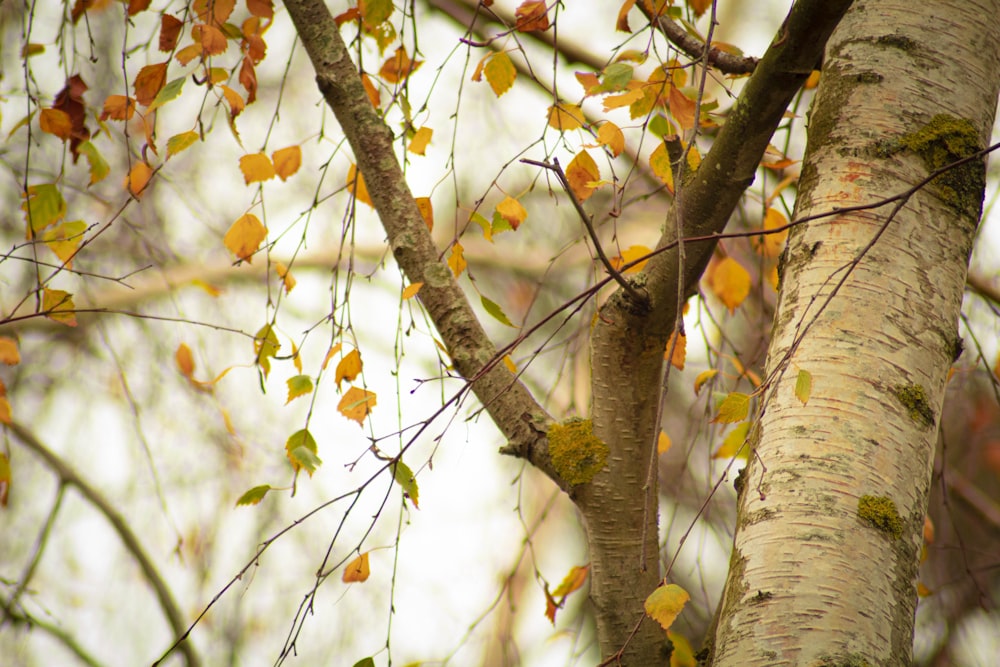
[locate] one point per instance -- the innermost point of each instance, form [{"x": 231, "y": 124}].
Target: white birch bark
[{"x": 812, "y": 582}]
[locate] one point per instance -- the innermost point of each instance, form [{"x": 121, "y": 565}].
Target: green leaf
[
  {"x": 485, "y": 224},
  {"x": 374, "y": 12},
  {"x": 298, "y": 385},
  {"x": 99, "y": 168},
  {"x": 803, "y": 386},
  {"x": 365, "y": 662},
  {"x": 500, "y": 223},
  {"x": 497, "y": 313},
  {"x": 254, "y": 495},
  {"x": 303, "y": 457},
  {"x": 167, "y": 93},
  {"x": 265, "y": 345},
  {"x": 615, "y": 78},
  {"x": 734, "y": 408},
  {"x": 179, "y": 142},
  {"x": 404, "y": 477},
  {"x": 43, "y": 206},
  {"x": 660, "y": 126}
]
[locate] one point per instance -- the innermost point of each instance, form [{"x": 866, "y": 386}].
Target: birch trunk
[{"x": 825, "y": 558}]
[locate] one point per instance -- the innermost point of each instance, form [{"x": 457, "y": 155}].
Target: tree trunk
[{"x": 833, "y": 500}]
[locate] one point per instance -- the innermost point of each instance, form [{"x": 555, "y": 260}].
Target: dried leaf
[
  {"x": 511, "y": 210},
  {"x": 426, "y": 211},
  {"x": 398, "y": 67},
  {"x": 573, "y": 580},
  {"x": 411, "y": 290},
  {"x": 356, "y": 404},
  {"x": 582, "y": 173},
  {"x": 148, "y": 82},
  {"x": 360, "y": 191},
  {"x": 679, "y": 350},
  {"x": 629, "y": 255},
  {"x": 55, "y": 122},
  {"x": 610, "y": 135},
  {"x": 170, "y": 30},
  {"x": 662, "y": 443},
  {"x": 118, "y": 107},
  {"x": 531, "y": 16}
]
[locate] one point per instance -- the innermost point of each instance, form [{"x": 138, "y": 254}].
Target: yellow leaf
[
  {"x": 679, "y": 349},
  {"x": 334, "y": 349},
  {"x": 256, "y": 168},
  {"x": 138, "y": 178},
  {"x": 665, "y": 603},
  {"x": 245, "y": 236},
  {"x": 287, "y": 161},
  {"x": 349, "y": 367},
  {"x": 610, "y": 135},
  {"x": 64, "y": 239},
  {"x": 629, "y": 255},
  {"x": 185, "y": 360},
  {"x": 582, "y": 172},
  {"x": 56, "y": 122},
  {"x": 771, "y": 245},
  {"x": 509, "y": 363},
  {"x": 455, "y": 260},
  {"x": 573, "y": 580},
  {"x": 360, "y": 191},
  {"x": 500, "y": 73},
  {"x": 683, "y": 654},
  {"x": 511, "y": 210},
  {"x": 732, "y": 444},
  {"x": 625, "y": 99},
  {"x": 923, "y": 591},
  {"x": 8, "y": 351},
  {"x": 566, "y": 117},
  {"x": 118, "y": 107},
  {"x": 729, "y": 281},
  {"x": 6, "y": 417},
  {"x": 659, "y": 162},
  {"x": 411, "y": 290},
  {"x": 58, "y": 306},
  {"x": 734, "y": 408},
  {"x": 704, "y": 377},
  {"x": 357, "y": 570},
  {"x": 179, "y": 142},
  {"x": 422, "y": 137},
  {"x": 803, "y": 386},
  {"x": 296, "y": 357},
  {"x": 285, "y": 275},
  {"x": 426, "y": 211},
  {"x": 356, "y": 404},
  {"x": 662, "y": 443}
]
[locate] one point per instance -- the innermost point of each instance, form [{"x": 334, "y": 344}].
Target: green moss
[
  {"x": 881, "y": 513},
  {"x": 944, "y": 140},
  {"x": 896, "y": 41},
  {"x": 577, "y": 454},
  {"x": 914, "y": 399},
  {"x": 849, "y": 660}
]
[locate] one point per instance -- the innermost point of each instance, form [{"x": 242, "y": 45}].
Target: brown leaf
[
  {"x": 531, "y": 16},
  {"x": 170, "y": 30},
  {"x": 148, "y": 83}
]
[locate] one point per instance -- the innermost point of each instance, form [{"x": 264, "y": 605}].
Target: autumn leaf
[
  {"x": 9, "y": 354},
  {"x": 6, "y": 417},
  {"x": 531, "y": 16},
  {"x": 729, "y": 281},
  {"x": 148, "y": 82},
  {"x": 300, "y": 449},
  {"x": 334, "y": 349},
  {"x": 771, "y": 245},
  {"x": 287, "y": 161},
  {"x": 420, "y": 139},
  {"x": 582, "y": 174},
  {"x": 662, "y": 443},
  {"x": 236, "y": 104},
  {"x": 287, "y": 279},
  {"x": 55, "y": 122},
  {"x": 610, "y": 135},
  {"x": 64, "y": 239},
  {"x": 803, "y": 386},
  {"x": 456, "y": 260},
  {"x": 500, "y": 73},
  {"x": 659, "y": 162},
  {"x": 704, "y": 377},
  {"x": 43, "y": 205},
  {"x": 244, "y": 236},
  {"x": 411, "y": 290},
  {"x": 180, "y": 142},
  {"x": 349, "y": 367},
  {"x": 357, "y": 570},
  {"x": 398, "y": 67},
  {"x": 511, "y": 210},
  {"x": 404, "y": 477},
  {"x": 265, "y": 346},
  {"x": 509, "y": 363},
  {"x": 356, "y": 404},
  {"x": 373, "y": 95},
  {"x": 254, "y": 495},
  {"x": 262, "y": 8},
  {"x": 99, "y": 167},
  {"x": 298, "y": 385},
  {"x": 573, "y": 580},
  {"x": 118, "y": 107},
  {"x": 629, "y": 255},
  {"x": 185, "y": 361},
  {"x": 360, "y": 191},
  {"x": 734, "y": 408},
  {"x": 732, "y": 444},
  {"x": 426, "y": 208},
  {"x": 256, "y": 168},
  {"x": 665, "y": 603},
  {"x": 170, "y": 30},
  {"x": 621, "y": 24},
  {"x": 565, "y": 117},
  {"x": 248, "y": 79},
  {"x": 58, "y": 306},
  {"x": 679, "y": 350},
  {"x": 138, "y": 178}
]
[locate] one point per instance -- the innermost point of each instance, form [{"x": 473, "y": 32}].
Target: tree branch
[
  {"x": 695, "y": 48},
  {"x": 515, "y": 412},
  {"x": 68, "y": 475}
]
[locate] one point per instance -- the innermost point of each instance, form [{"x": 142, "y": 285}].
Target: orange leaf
[
  {"x": 185, "y": 360},
  {"x": 334, "y": 349},
  {"x": 357, "y": 570},
  {"x": 662, "y": 443},
  {"x": 356, "y": 404},
  {"x": 148, "y": 82},
  {"x": 287, "y": 278},
  {"x": 411, "y": 290},
  {"x": 5, "y": 417},
  {"x": 621, "y": 24},
  {"x": 287, "y": 161},
  {"x": 373, "y": 95},
  {"x": 236, "y": 104},
  {"x": 679, "y": 350},
  {"x": 771, "y": 245},
  {"x": 360, "y": 191},
  {"x": 456, "y": 260},
  {"x": 588, "y": 80},
  {"x": 248, "y": 79},
  {"x": 582, "y": 173},
  {"x": 565, "y": 117},
  {"x": 212, "y": 41},
  {"x": 572, "y": 581},
  {"x": 349, "y": 367},
  {"x": 511, "y": 210},
  {"x": 531, "y": 16},
  {"x": 729, "y": 281},
  {"x": 118, "y": 107},
  {"x": 56, "y": 122},
  {"x": 398, "y": 67},
  {"x": 261, "y": 8},
  {"x": 422, "y": 137},
  {"x": 138, "y": 178},
  {"x": 610, "y": 135},
  {"x": 631, "y": 254},
  {"x": 256, "y": 168},
  {"x": 665, "y": 603},
  {"x": 8, "y": 351},
  {"x": 426, "y": 211},
  {"x": 245, "y": 236}
]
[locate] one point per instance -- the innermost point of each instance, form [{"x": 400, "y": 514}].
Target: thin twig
[{"x": 557, "y": 169}]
